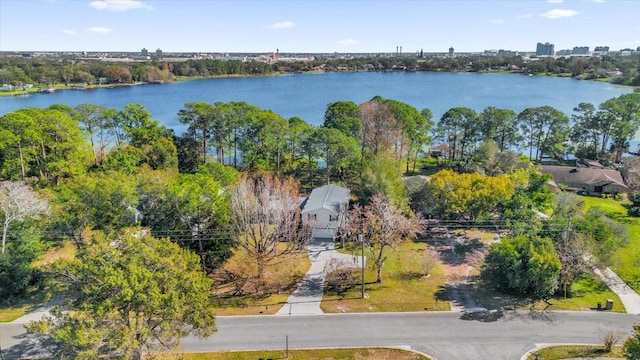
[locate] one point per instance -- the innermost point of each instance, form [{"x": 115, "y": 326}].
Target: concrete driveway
[{"x": 305, "y": 300}]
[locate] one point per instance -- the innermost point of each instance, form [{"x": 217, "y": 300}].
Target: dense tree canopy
[
  {"x": 459, "y": 128},
  {"x": 129, "y": 296},
  {"x": 467, "y": 196},
  {"x": 109, "y": 169},
  {"x": 524, "y": 266},
  {"x": 43, "y": 143},
  {"x": 69, "y": 70},
  {"x": 544, "y": 129}
]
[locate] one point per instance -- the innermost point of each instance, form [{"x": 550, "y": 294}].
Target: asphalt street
[{"x": 442, "y": 335}]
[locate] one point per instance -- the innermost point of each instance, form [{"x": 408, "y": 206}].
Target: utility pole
[{"x": 361, "y": 239}]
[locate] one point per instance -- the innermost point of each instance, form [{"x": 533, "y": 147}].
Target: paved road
[{"x": 443, "y": 335}]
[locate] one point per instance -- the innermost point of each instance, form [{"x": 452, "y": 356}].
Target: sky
[{"x": 297, "y": 26}]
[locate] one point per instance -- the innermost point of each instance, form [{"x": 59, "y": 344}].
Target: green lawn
[
  {"x": 34, "y": 300},
  {"x": 574, "y": 352},
  {"x": 403, "y": 286},
  {"x": 585, "y": 295},
  {"x": 279, "y": 281},
  {"x": 626, "y": 262},
  {"x": 312, "y": 354}
]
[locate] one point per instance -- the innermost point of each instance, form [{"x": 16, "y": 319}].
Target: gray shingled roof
[
  {"x": 583, "y": 175},
  {"x": 330, "y": 197}
]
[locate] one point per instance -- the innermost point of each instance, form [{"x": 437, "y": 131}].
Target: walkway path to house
[
  {"x": 630, "y": 299},
  {"x": 305, "y": 300}
]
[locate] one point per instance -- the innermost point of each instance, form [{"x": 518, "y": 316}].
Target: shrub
[
  {"x": 16, "y": 272},
  {"x": 634, "y": 208},
  {"x": 610, "y": 338},
  {"x": 632, "y": 344},
  {"x": 338, "y": 279}
]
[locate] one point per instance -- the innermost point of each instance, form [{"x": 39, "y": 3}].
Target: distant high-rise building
[
  {"x": 507, "y": 53},
  {"x": 545, "y": 49},
  {"x": 144, "y": 52},
  {"x": 601, "y": 49},
  {"x": 580, "y": 50},
  {"x": 638, "y": 49},
  {"x": 158, "y": 53},
  {"x": 451, "y": 52}
]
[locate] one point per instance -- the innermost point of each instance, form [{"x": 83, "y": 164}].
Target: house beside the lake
[{"x": 325, "y": 210}]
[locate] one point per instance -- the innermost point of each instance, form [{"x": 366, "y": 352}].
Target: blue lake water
[{"x": 307, "y": 95}]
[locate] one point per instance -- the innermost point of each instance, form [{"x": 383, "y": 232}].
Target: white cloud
[
  {"x": 282, "y": 25},
  {"x": 119, "y": 5},
  {"x": 524, "y": 16},
  {"x": 497, "y": 21},
  {"x": 69, "y": 32},
  {"x": 559, "y": 13},
  {"x": 99, "y": 30},
  {"x": 347, "y": 41},
  {"x": 555, "y": 1}
]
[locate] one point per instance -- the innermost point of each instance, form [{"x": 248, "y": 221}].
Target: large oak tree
[{"x": 129, "y": 296}]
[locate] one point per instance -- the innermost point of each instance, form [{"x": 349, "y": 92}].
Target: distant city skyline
[{"x": 315, "y": 26}]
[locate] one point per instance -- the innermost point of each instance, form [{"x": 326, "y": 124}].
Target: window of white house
[
  {"x": 312, "y": 217},
  {"x": 333, "y": 217}
]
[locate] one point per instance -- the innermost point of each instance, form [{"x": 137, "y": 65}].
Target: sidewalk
[
  {"x": 39, "y": 313},
  {"x": 305, "y": 300},
  {"x": 630, "y": 299}
]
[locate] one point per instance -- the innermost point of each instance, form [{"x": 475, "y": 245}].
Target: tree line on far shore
[{"x": 70, "y": 70}]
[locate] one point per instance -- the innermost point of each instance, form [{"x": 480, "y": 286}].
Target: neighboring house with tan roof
[{"x": 589, "y": 180}]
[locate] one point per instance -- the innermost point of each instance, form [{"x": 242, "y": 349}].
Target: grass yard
[
  {"x": 33, "y": 301},
  {"x": 585, "y": 294},
  {"x": 66, "y": 251},
  {"x": 626, "y": 262},
  {"x": 576, "y": 351},
  {"x": 312, "y": 354},
  {"x": 238, "y": 291},
  {"x": 403, "y": 286}
]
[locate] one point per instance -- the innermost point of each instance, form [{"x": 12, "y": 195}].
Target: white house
[{"x": 325, "y": 210}]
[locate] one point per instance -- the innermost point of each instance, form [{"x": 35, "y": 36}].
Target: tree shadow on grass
[
  {"x": 409, "y": 275},
  {"x": 468, "y": 246}
]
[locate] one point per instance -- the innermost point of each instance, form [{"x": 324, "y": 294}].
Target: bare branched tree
[
  {"x": 18, "y": 202},
  {"x": 266, "y": 217},
  {"x": 383, "y": 226},
  {"x": 573, "y": 254}
]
